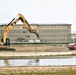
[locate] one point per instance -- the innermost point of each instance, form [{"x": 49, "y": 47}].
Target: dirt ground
[
  {"x": 35, "y": 69},
  {"x": 41, "y": 47},
  {"x": 38, "y": 50}
]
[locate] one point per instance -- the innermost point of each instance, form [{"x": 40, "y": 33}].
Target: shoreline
[{"x": 33, "y": 55}]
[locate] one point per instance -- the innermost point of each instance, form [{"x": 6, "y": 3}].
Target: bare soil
[
  {"x": 41, "y": 47},
  {"x": 36, "y": 69}
]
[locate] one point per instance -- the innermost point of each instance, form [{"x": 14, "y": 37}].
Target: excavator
[{"x": 5, "y": 41}]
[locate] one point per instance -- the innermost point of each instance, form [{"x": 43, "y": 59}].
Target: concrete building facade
[
  {"x": 55, "y": 33},
  {"x": 48, "y": 33}
]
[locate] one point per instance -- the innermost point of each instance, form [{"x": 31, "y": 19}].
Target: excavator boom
[{"x": 13, "y": 22}]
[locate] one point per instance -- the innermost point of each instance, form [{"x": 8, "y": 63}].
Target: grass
[
  {"x": 32, "y": 57},
  {"x": 62, "y": 72}
]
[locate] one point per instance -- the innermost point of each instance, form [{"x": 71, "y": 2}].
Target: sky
[{"x": 40, "y": 11}]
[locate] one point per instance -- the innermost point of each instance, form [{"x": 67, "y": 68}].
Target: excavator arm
[{"x": 13, "y": 22}]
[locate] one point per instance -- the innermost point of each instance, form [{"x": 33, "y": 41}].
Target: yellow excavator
[{"x": 5, "y": 41}]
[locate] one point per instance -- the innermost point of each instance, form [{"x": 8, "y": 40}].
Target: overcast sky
[{"x": 40, "y": 11}]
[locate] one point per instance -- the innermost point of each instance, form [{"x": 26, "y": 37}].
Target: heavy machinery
[{"x": 5, "y": 41}]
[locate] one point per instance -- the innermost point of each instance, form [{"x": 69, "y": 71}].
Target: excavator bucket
[
  {"x": 34, "y": 31},
  {"x": 36, "y": 34}
]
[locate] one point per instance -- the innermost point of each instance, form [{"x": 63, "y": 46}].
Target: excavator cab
[
  {"x": 6, "y": 46},
  {"x": 7, "y": 42}
]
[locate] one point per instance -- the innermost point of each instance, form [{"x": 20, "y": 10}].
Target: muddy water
[{"x": 52, "y": 61}]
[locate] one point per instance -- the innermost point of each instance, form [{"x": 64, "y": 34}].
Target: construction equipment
[{"x": 5, "y": 41}]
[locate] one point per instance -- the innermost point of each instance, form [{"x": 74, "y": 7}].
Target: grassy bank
[
  {"x": 34, "y": 57},
  {"x": 47, "y": 70},
  {"x": 62, "y": 72}
]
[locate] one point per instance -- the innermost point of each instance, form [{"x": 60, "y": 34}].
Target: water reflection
[
  {"x": 6, "y": 63},
  {"x": 24, "y": 62},
  {"x": 56, "y": 61},
  {"x": 33, "y": 62}
]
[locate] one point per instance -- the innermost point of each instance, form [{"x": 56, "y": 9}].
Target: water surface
[{"x": 53, "y": 61}]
